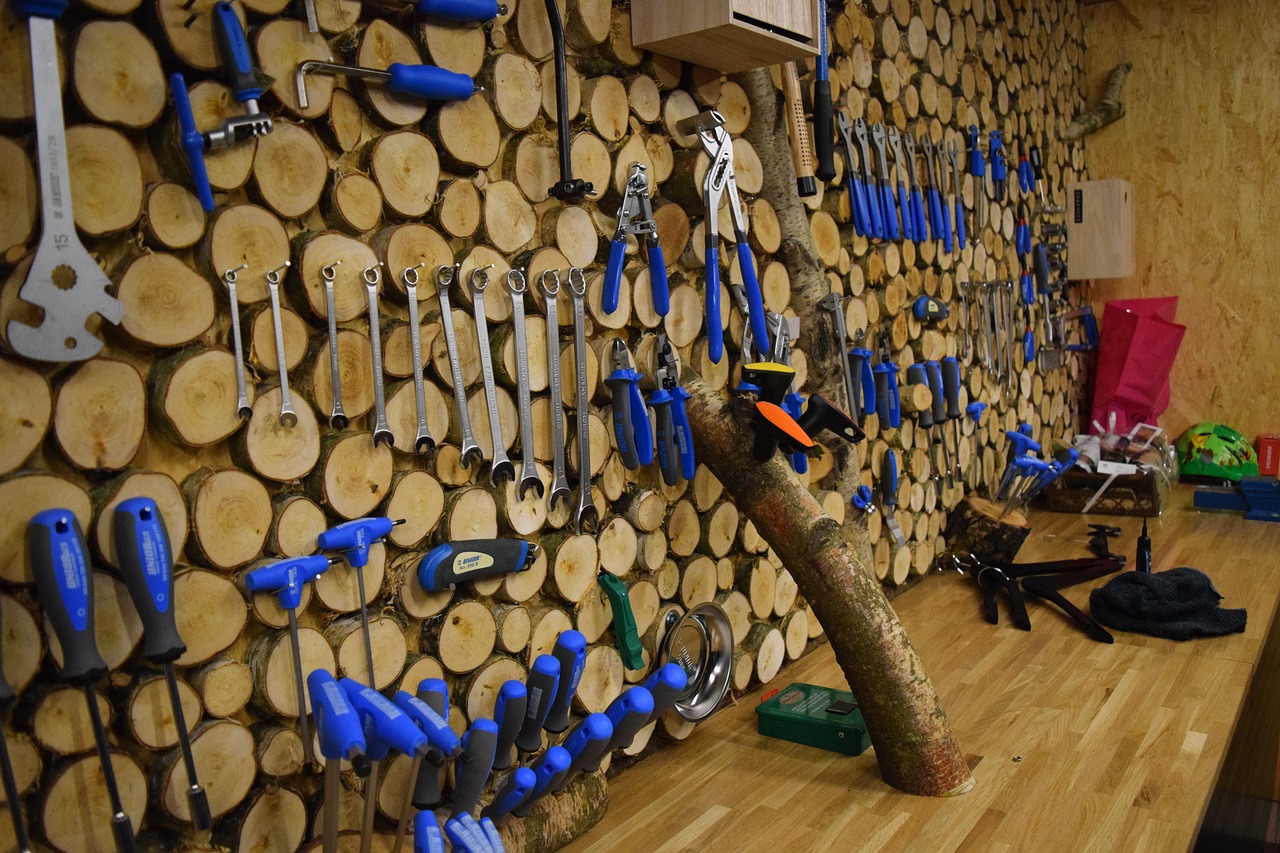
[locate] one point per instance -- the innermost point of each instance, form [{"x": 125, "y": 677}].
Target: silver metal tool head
[
  {"x": 635, "y": 214},
  {"x": 704, "y": 122},
  {"x": 668, "y": 363},
  {"x": 621, "y": 355},
  {"x": 300, "y": 78}
]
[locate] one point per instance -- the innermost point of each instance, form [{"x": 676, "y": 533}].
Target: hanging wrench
[
  {"x": 444, "y": 278},
  {"x": 559, "y": 483},
  {"x": 64, "y": 281},
  {"x": 287, "y": 416},
  {"x": 1011, "y": 338},
  {"x": 984, "y": 314},
  {"x": 587, "y": 517},
  {"x": 372, "y": 279},
  {"x": 337, "y": 417},
  {"x": 501, "y": 468},
  {"x": 243, "y": 409},
  {"x": 529, "y": 478},
  {"x": 965, "y": 342},
  {"x": 422, "y": 442}
]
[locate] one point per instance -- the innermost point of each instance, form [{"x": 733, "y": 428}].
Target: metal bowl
[{"x": 701, "y": 642}]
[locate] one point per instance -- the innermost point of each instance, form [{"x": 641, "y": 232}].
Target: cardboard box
[
  {"x": 1100, "y": 238},
  {"x": 1268, "y": 447}
]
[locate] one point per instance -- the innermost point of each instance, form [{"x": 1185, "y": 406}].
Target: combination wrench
[
  {"x": 381, "y": 431},
  {"x": 64, "y": 281},
  {"x": 444, "y": 278},
  {"x": 288, "y": 417},
  {"x": 337, "y": 417},
  {"x": 559, "y": 483},
  {"x": 529, "y": 479},
  {"x": 586, "y": 518},
  {"x": 243, "y": 409},
  {"x": 500, "y": 468},
  {"x": 422, "y": 442},
  {"x": 965, "y": 342}
]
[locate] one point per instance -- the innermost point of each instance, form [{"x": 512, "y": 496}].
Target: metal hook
[
  {"x": 373, "y": 274},
  {"x": 273, "y": 276},
  {"x": 513, "y": 276},
  {"x": 230, "y": 275},
  {"x": 328, "y": 271},
  {"x": 482, "y": 274},
  {"x": 555, "y": 276},
  {"x": 410, "y": 274}
]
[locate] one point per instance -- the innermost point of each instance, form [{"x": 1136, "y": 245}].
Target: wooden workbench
[{"x": 1074, "y": 744}]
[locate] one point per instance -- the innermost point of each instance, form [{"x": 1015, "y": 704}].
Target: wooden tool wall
[{"x": 360, "y": 177}]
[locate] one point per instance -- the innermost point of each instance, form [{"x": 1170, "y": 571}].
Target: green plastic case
[{"x": 799, "y": 714}]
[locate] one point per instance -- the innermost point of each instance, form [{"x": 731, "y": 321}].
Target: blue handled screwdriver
[
  {"x": 508, "y": 713},
  {"x": 585, "y": 745},
  {"x": 146, "y": 562},
  {"x": 341, "y": 738},
  {"x": 441, "y": 743},
  {"x": 665, "y": 686},
  {"x": 474, "y": 765},
  {"x": 544, "y": 677},
  {"x": 549, "y": 769},
  {"x": 511, "y": 793},
  {"x": 571, "y": 652},
  {"x": 427, "y": 82},
  {"x": 628, "y": 714},
  {"x": 427, "y": 837},
  {"x": 434, "y": 692},
  {"x": 64, "y": 585}
]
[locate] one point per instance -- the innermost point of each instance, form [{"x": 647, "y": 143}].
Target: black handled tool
[
  {"x": 64, "y": 584},
  {"x": 924, "y": 420},
  {"x": 508, "y": 713},
  {"x": 450, "y": 564},
  {"x": 478, "y": 748},
  {"x": 571, "y": 651},
  {"x": 824, "y": 136},
  {"x": 146, "y": 562},
  {"x": 889, "y": 495},
  {"x": 951, "y": 390},
  {"x": 544, "y": 676},
  {"x": 433, "y": 692}
]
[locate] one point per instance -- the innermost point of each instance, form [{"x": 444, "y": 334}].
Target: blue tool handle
[
  {"x": 434, "y": 693},
  {"x": 511, "y": 793},
  {"x": 665, "y": 686},
  {"x": 354, "y": 538},
  {"x": 658, "y": 278},
  {"x": 890, "y": 213},
  {"x": 587, "y": 743},
  {"x": 620, "y": 382},
  {"x": 1026, "y": 177},
  {"x": 286, "y": 578},
  {"x": 452, "y": 563},
  {"x": 917, "y": 215},
  {"x": 860, "y": 365},
  {"x": 642, "y": 430},
  {"x": 465, "y": 835},
  {"x": 432, "y": 724},
  {"x": 544, "y": 677},
  {"x": 571, "y": 651},
  {"x": 554, "y": 762},
  {"x": 887, "y": 394},
  {"x": 935, "y": 213},
  {"x": 960, "y": 235},
  {"x": 191, "y": 140},
  {"x": 715, "y": 332},
  {"x": 492, "y": 835},
  {"x": 945, "y": 212},
  {"x": 233, "y": 48},
  {"x": 628, "y": 714},
  {"x": 1021, "y": 444},
  {"x": 951, "y": 386},
  {"x": 146, "y": 562},
  {"x": 871, "y": 193},
  {"x": 862, "y": 498},
  {"x": 383, "y": 724},
  {"x": 1027, "y": 287},
  {"x": 459, "y": 10},
  {"x": 1022, "y": 238},
  {"x": 613, "y": 275},
  {"x": 974, "y": 411},
  {"x": 755, "y": 299},
  {"x": 856, "y": 203},
  {"x": 52, "y": 9},
  {"x": 429, "y": 82},
  {"x": 977, "y": 165},
  {"x": 64, "y": 584},
  {"x": 889, "y": 479},
  {"x": 665, "y": 443},
  {"x": 904, "y": 206},
  {"x": 683, "y": 434},
  {"x": 478, "y": 748},
  {"x": 427, "y": 837},
  {"x": 337, "y": 723},
  {"x": 508, "y": 713},
  {"x": 1028, "y": 346},
  {"x": 934, "y": 372},
  {"x": 791, "y": 405},
  {"x": 824, "y": 132}
]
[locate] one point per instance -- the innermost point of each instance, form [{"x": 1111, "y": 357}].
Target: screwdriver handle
[
  {"x": 434, "y": 693},
  {"x": 511, "y": 793},
  {"x": 427, "y": 837},
  {"x": 146, "y": 562},
  {"x": 1037, "y": 164},
  {"x": 824, "y": 135},
  {"x": 951, "y": 386},
  {"x": 586, "y": 743},
  {"x": 460, "y": 10},
  {"x": 233, "y": 48},
  {"x": 508, "y": 712},
  {"x": 429, "y": 82},
  {"x": 665, "y": 686},
  {"x": 629, "y": 713},
  {"x": 64, "y": 585},
  {"x": 554, "y": 763},
  {"x": 478, "y": 748},
  {"x": 1040, "y": 266},
  {"x": 934, "y": 373},
  {"x": 51, "y": 9},
  {"x": 571, "y": 651},
  {"x": 544, "y": 676}
]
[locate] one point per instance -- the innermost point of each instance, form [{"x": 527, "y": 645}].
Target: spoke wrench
[
  {"x": 529, "y": 479},
  {"x": 381, "y": 432},
  {"x": 559, "y": 483},
  {"x": 337, "y": 417},
  {"x": 243, "y": 409},
  {"x": 500, "y": 469},
  {"x": 288, "y": 417},
  {"x": 586, "y": 518},
  {"x": 422, "y": 442},
  {"x": 64, "y": 281},
  {"x": 444, "y": 278}
]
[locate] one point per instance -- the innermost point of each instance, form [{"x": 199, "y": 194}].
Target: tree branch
[{"x": 1104, "y": 112}]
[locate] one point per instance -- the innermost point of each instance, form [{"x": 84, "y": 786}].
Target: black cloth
[{"x": 1178, "y": 604}]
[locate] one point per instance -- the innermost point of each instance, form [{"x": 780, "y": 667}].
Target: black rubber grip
[
  {"x": 824, "y": 134},
  {"x": 951, "y": 386},
  {"x": 136, "y": 554},
  {"x": 473, "y": 769},
  {"x": 81, "y": 662}
]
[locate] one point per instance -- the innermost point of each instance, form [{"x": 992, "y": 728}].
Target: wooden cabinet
[
  {"x": 1100, "y": 229},
  {"x": 728, "y": 35}
]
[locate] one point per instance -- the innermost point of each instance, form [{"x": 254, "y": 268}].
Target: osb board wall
[
  {"x": 1199, "y": 142},
  {"x": 928, "y": 66}
]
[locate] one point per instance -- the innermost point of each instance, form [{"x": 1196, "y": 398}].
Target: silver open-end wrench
[
  {"x": 243, "y": 409},
  {"x": 64, "y": 281},
  {"x": 288, "y": 417},
  {"x": 529, "y": 478},
  {"x": 422, "y": 442},
  {"x": 965, "y": 342},
  {"x": 1012, "y": 337},
  {"x": 834, "y": 303},
  {"x": 586, "y": 518},
  {"x": 559, "y": 482},
  {"x": 337, "y": 417},
  {"x": 381, "y": 431},
  {"x": 501, "y": 469},
  {"x": 984, "y": 314},
  {"x": 444, "y": 278}
]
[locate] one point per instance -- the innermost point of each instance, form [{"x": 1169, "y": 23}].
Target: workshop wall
[
  {"x": 1198, "y": 142},
  {"x": 362, "y": 177}
]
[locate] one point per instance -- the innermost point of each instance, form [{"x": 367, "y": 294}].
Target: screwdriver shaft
[
  {"x": 406, "y": 807},
  {"x": 121, "y": 826},
  {"x": 196, "y": 799},
  {"x": 15, "y": 805},
  {"x": 308, "y": 757},
  {"x": 364, "y": 627},
  {"x": 370, "y": 807},
  {"x": 332, "y": 779}
]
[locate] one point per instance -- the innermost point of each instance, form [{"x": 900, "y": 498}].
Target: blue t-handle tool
[
  {"x": 427, "y": 837},
  {"x": 466, "y": 835},
  {"x": 341, "y": 737},
  {"x": 354, "y": 539}
]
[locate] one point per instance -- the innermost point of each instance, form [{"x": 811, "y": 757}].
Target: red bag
[{"x": 1139, "y": 343}]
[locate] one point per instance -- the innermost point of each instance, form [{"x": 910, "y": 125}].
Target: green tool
[
  {"x": 624, "y": 622},
  {"x": 815, "y": 716}
]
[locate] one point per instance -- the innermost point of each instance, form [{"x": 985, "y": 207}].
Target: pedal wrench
[
  {"x": 372, "y": 279},
  {"x": 422, "y": 442},
  {"x": 81, "y": 288},
  {"x": 529, "y": 478},
  {"x": 444, "y": 278},
  {"x": 337, "y": 416},
  {"x": 500, "y": 469},
  {"x": 586, "y": 517},
  {"x": 288, "y": 417},
  {"x": 243, "y": 409},
  {"x": 559, "y": 482}
]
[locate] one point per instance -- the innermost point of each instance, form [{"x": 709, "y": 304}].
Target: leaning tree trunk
[{"x": 905, "y": 721}]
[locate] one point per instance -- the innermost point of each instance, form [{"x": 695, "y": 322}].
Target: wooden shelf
[{"x": 727, "y": 35}]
